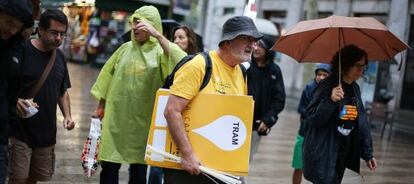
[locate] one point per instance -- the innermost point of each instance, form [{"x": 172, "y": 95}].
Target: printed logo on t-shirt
[
  {"x": 348, "y": 115},
  {"x": 221, "y": 87},
  {"x": 15, "y": 59},
  {"x": 348, "y": 112}
]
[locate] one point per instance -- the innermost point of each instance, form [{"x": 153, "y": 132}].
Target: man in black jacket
[
  {"x": 265, "y": 84},
  {"x": 14, "y": 15}
]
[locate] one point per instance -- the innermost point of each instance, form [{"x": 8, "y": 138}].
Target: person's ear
[{"x": 226, "y": 44}]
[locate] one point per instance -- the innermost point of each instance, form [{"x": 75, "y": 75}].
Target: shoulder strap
[
  {"x": 169, "y": 80},
  {"x": 209, "y": 67},
  {"x": 244, "y": 71},
  {"x": 45, "y": 73}
]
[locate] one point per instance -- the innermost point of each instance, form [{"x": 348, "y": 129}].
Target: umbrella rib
[
  {"x": 310, "y": 43},
  {"x": 378, "y": 43}
]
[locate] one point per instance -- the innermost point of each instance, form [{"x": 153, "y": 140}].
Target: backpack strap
[
  {"x": 244, "y": 71},
  {"x": 209, "y": 67},
  {"x": 169, "y": 80}
]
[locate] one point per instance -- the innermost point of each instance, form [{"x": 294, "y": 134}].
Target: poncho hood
[{"x": 150, "y": 15}]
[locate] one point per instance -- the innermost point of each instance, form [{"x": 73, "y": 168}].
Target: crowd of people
[{"x": 34, "y": 80}]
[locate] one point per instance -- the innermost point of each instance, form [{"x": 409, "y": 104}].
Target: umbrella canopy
[{"x": 318, "y": 40}]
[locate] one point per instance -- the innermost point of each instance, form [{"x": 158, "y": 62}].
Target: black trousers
[
  {"x": 110, "y": 173},
  {"x": 344, "y": 152},
  {"x": 173, "y": 176}
]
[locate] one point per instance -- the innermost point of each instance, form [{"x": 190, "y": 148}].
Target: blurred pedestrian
[
  {"x": 14, "y": 16},
  {"x": 16, "y": 48},
  {"x": 236, "y": 46},
  {"x": 321, "y": 72},
  {"x": 337, "y": 130},
  {"x": 265, "y": 84},
  {"x": 126, "y": 88},
  {"x": 185, "y": 37},
  {"x": 43, "y": 85}
]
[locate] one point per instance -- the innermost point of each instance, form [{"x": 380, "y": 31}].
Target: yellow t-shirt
[{"x": 224, "y": 79}]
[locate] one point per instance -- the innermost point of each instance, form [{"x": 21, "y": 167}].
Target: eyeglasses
[{"x": 56, "y": 33}]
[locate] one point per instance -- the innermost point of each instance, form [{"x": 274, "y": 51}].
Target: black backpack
[{"x": 170, "y": 78}]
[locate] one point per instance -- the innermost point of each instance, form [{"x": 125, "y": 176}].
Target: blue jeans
[{"x": 3, "y": 163}]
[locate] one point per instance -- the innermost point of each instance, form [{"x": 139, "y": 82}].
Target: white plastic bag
[
  {"x": 94, "y": 42},
  {"x": 91, "y": 147}
]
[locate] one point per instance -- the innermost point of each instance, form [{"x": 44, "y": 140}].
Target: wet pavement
[{"x": 270, "y": 165}]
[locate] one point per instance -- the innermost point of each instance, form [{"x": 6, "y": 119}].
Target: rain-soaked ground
[{"x": 270, "y": 165}]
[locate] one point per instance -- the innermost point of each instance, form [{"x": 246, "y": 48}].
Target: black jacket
[
  {"x": 305, "y": 99},
  {"x": 10, "y": 55},
  {"x": 9, "y": 60},
  {"x": 4, "y": 102},
  {"x": 320, "y": 147},
  {"x": 266, "y": 86}
]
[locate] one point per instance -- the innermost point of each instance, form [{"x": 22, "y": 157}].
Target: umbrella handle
[{"x": 339, "y": 50}]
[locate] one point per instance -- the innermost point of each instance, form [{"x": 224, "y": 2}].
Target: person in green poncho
[{"x": 126, "y": 89}]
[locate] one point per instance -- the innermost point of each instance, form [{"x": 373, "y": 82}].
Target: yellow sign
[{"x": 219, "y": 128}]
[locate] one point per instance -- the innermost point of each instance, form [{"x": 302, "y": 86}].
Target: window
[{"x": 227, "y": 11}]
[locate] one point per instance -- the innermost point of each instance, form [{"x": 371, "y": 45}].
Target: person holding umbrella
[
  {"x": 337, "y": 130},
  {"x": 337, "y": 127}
]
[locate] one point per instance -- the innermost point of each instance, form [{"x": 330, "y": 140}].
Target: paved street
[{"x": 270, "y": 165}]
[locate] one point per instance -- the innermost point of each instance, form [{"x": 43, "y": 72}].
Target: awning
[
  {"x": 53, "y": 3},
  {"x": 130, "y": 5}
]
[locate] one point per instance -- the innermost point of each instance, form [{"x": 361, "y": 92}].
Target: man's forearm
[
  {"x": 64, "y": 105},
  {"x": 175, "y": 106},
  {"x": 165, "y": 44},
  {"x": 178, "y": 133}
]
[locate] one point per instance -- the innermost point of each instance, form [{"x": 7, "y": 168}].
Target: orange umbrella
[{"x": 318, "y": 40}]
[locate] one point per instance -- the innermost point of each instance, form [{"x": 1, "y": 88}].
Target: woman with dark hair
[
  {"x": 337, "y": 131},
  {"x": 186, "y": 39}
]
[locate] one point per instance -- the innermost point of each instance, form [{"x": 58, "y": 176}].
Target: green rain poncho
[{"x": 128, "y": 83}]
